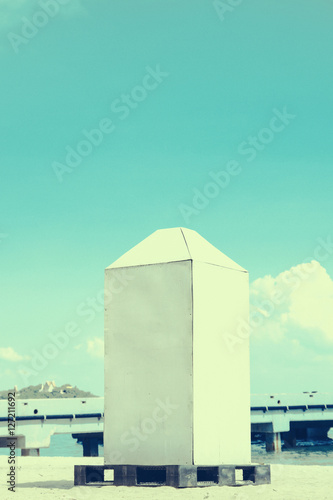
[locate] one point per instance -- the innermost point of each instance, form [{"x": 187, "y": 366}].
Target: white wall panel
[
  {"x": 148, "y": 367},
  {"x": 221, "y": 368}
]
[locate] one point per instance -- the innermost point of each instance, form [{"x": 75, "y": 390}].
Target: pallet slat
[{"x": 177, "y": 476}]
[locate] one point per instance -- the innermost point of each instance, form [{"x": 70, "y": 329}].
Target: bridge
[
  {"x": 289, "y": 417},
  {"x": 280, "y": 417}
]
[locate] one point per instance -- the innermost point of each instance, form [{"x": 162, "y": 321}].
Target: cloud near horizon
[
  {"x": 303, "y": 314},
  {"x": 95, "y": 347},
  {"x": 8, "y": 354}
]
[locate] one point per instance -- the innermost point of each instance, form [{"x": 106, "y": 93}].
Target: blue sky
[{"x": 222, "y": 73}]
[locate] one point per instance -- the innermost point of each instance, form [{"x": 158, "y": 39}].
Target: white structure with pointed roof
[
  {"x": 174, "y": 245},
  {"x": 177, "y": 390}
]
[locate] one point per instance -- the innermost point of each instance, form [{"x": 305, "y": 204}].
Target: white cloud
[
  {"x": 9, "y": 354},
  {"x": 312, "y": 305},
  {"x": 95, "y": 347},
  {"x": 305, "y": 309},
  {"x": 12, "y": 12},
  {"x": 292, "y": 344}
]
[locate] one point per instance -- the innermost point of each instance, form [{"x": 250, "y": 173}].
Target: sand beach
[{"x": 52, "y": 477}]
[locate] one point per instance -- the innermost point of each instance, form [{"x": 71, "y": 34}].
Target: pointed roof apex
[{"x": 174, "y": 245}]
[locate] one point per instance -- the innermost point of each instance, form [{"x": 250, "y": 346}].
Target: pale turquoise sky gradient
[{"x": 224, "y": 80}]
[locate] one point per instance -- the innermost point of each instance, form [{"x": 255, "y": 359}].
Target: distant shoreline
[{"x": 49, "y": 390}]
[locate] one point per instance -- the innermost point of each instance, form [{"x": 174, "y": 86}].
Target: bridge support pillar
[
  {"x": 273, "y": 441},
  {"x": 90, "y": 442},
  {"x": 30, "y": 452},
  {"x": 90, "y": 447},
  {"x": 289, "y": 439}
]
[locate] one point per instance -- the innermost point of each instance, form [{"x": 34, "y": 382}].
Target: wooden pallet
[{"x": 178, "y": 476}]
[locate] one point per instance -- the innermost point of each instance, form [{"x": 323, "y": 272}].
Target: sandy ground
[{"x": 52, "y": 477}]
